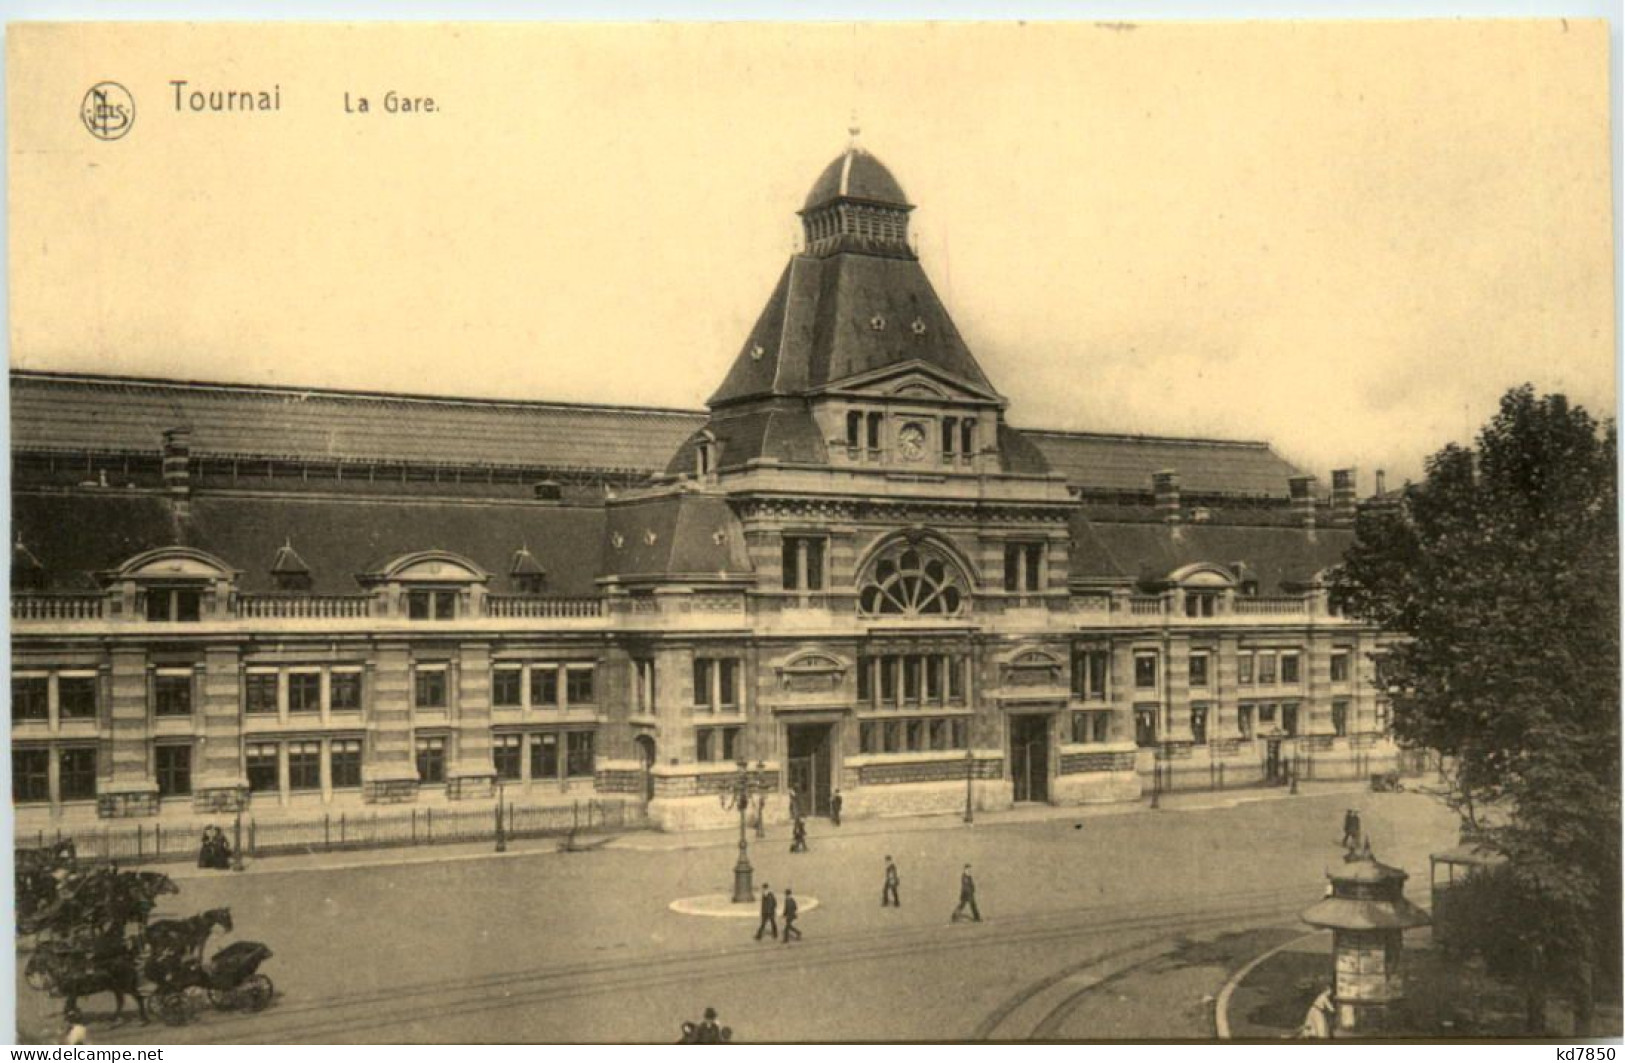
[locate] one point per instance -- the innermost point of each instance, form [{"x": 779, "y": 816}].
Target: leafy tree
[{"x": 1499, "y": 575}]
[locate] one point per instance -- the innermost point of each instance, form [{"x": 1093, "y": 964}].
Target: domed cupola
[{"x": 857, "y": 205}]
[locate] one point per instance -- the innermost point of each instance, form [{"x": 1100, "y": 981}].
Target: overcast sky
[{"x": 1347, "y": 239}]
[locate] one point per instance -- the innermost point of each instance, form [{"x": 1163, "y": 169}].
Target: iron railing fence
[{"x": 346, "y": 830}]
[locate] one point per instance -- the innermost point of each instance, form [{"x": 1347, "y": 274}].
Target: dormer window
[
  {"x": 174, "y": 603},
  {"x": 429, "y": 604},
  {"x": 705, "y": 455},
  {"x": 288, "y": 570},
  {"x": 527, "y": 573}
]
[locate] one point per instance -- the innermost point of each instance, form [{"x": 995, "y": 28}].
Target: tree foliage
[{"x": 1499, "y": 573}]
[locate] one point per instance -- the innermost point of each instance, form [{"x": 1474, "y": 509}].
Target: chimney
[
  {"x": 1165, "y": 488},
  {"x": 178, "y": 463},
  {"x": 1343, "y": 495},
  {"x": 1302, "y": 489},
  {"x": 1382, "y": 482}
]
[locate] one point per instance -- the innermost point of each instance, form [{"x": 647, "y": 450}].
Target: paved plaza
[{"x": 538, "y": 945}]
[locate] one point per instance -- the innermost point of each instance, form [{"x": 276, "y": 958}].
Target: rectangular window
[
  {"x": 344, "y": 691},
  {"x": 1199, "y": 724},
  {"x": 259, "y": 692},
  {"x": 1145, "y": 671},
  {"x": 961, "y": 733},
  {"x": 1244, "y": 720},
  {"x": 1340, "y": 718},
  {"x": 803, "y": 558},
  {"x": 1023, "y": 562},
  {"x": 911, "y": 679},
  {"x": 1289, "y": 668},
  {"x": 894, "y": 736},
  {"x": 262, "y": 769},
  {"x": 1089, "y": 672},
  {"x": 1103, "y": 726},
  {"x": 1201, "y": 603},
  {"x": 172, "y": 694},
  {"x": 429, "y": 688},
  {"x": 1340, "y": 666},
  {"x": 1266, "y": 668},
  {"x": 304, "y": 692},
  {"x": 1199, "y": 669},
  {"x": 579, "y": 753},
  {"x": 507, "y": 688},
  {"x": 1244, "y": 667},
  {"x": 544, "y": 686},
  {"x": 939, "y": 733},
  {"x": 76, "y": 697},
  {"x": 344, "y": 763},
  {"x": 888, "y": 680},
  {"x": 704, "y": 751},
  {"x": 866, "y": 691},
  {"x": 967, "y": 437},
  {"x": 950, "y": 436},
  {"x": 304, "y": 765},
  {"x": 727, "y": 682},
  {"x": 1266, "y": 716},
  {"x": 431, "y": 760},
  {"x": 30, "y": 698},
  {"x": 578, "y": 685},
  {"x": 544, "y": 755},
  {"x": 702, "y": 682},
  {"x": 1081, "y": 727},
  {"x": 873, "y": 440},
  {"x": 854, "y": 429},
  {"x": 1289, "y": 720},
  {"x": 507, "y": 752},
  {"x": 933, "y": 678},
  {"x": 170, "y": 603},
  {"x": 431, "y": 605},
  {"x": 913, "y": 733},
  {"x": 644, "y": 669},
  {"x": 1145, "y": 727},
  {"x": 173, "y": 766},
  {"x": 76, "y": 773},
  {"x": 730, "y": 744},
  {"x": 30, "y": 775},
  {"x": 866, "y": 737}
]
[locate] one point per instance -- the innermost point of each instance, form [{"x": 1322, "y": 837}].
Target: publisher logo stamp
[{"x": 108, "y": 110}]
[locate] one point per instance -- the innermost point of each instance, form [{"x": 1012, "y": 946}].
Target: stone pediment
[{"x": 916, "y": 379}]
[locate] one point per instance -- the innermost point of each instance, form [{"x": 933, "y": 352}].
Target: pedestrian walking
[
  {"x": 835, "y": 808},
  {"x": 888, "y": 892},
  {"x": 967, "y": 897},
  {"x": 795, "y": 805},
  {"x": 770, "y": 913},
  {"x": 1351, "y": 829},
  {"x": 709, "y": 1032},
  {"x": 798, "y": 843},
  {"x": 790, "y": 910}
]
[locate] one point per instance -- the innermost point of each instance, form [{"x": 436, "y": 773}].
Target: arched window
[{"x": 910, "y": 579}]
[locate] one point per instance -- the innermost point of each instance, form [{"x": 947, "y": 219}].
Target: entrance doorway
[
  {"x": 810, "y": 765},
  {"x": 1029, "y": 757},
  {"x": 646, "y": 754}
]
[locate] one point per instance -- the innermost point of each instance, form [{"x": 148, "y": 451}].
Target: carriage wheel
[
  {"x": 256, "y": 993},
  {"x": 175, "y": 1006}
]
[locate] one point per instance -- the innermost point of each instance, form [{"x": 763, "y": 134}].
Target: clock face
[{"x": 911, "y": 440}]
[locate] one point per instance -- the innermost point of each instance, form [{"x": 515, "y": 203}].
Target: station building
[{"x": 850, "y": 571}]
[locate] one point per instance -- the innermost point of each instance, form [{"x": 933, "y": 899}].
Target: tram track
[{"x": 355, "y": 1016}]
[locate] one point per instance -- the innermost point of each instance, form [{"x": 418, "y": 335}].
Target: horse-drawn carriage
[
  {"x": 92, "y": 935},
  {"x": 230, "y": 981}
]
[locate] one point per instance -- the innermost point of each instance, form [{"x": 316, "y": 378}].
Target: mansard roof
[
  {"x": 76, "y": 414},
  {"x": 677, "y": 533},
  {"x": 84, "y": 532},
  {"x": 1147, "y": 553}
]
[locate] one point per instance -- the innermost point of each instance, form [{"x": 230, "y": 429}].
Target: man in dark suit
[
  {"x": 967, "y": 897},
  {"x": 770, "y": 913},
  {"x": 888, "y": 892},
  {"x": 1351, "y": 830},
  {"x": 798, "y": 843},
  {"x": 835, "y": 808},
  {"x": 790, "y": 910}
]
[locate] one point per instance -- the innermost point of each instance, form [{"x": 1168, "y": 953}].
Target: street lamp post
[
  {"x": 738, "y": 796},
  {"x": 970, "y": 774},
  {"x": 502, "y": 834},
  {"x": 237, "y": 842}
]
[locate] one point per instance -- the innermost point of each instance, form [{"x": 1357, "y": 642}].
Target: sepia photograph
[{"x": 895, "y": 532}]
